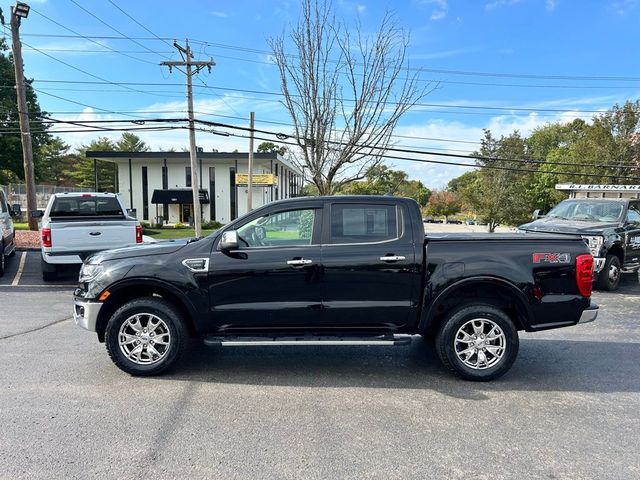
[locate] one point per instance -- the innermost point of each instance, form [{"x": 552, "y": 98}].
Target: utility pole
[
  {"x": 192, "y": 68},
  {"x": 250, "y": 176},
  {"x": 18, "y": 12}
]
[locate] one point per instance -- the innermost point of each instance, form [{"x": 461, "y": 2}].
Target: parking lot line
[{"x": 16, "y": 279}]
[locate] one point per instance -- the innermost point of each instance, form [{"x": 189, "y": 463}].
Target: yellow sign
[{"x": 259, "y": 179}]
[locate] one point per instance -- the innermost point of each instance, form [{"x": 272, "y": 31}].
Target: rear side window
[
  {"x": 86, "y": 207},
  {"x": 355, "y": 223}
]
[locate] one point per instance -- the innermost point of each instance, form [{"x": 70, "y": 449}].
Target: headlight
[
  {"x": 594, "y": 243},
  {"x": 89, "y": 271}
]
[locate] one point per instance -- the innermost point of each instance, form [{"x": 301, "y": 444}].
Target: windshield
[{"x": 588, "y": 211}]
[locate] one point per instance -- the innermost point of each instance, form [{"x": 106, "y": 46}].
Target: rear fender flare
[{"x": 430, "y": 312}]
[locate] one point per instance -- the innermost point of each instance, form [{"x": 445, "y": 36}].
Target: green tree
[
  {"x": 130, "y": 142},
  {"x": 382, "y": 180},
  {"x": 270, "y": 147},
  {"x": 11, "y": 163},
  {"x": 83, "y": 173},
  {"x": 57, "y": 163},
  {"x": 500, "y": 193},
  {"x": 443, "y": 204}
]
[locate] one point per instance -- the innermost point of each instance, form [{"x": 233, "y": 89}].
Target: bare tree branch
[{"x": 344, "y": 92}]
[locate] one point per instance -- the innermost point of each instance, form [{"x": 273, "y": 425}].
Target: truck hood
[
  {"x": 558, "y": 225},
  {"x": 159, "y": 248}
]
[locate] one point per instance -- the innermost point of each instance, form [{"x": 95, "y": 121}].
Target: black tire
[
  {"x": 447, "y": 344},
  {"x": 3, "y": 259},
  {"x": 609, "y": 277},
  {"x": 165, "y": 311},
  {"x": 49, "y": 272}
]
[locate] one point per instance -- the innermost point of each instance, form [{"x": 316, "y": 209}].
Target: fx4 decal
[{"x": 551, "y": 258}]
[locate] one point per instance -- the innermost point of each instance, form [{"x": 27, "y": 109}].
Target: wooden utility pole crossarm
[{"x": 192, "y": 68}]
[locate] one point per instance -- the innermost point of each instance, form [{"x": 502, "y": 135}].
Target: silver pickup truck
[{"x": 76, "y": 225}]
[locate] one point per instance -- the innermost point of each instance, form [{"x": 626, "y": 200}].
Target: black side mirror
[
  {"x": 37, "y": 214},
  {"x": 15, "y": 211},
  {"x": 229, "y": 240}
]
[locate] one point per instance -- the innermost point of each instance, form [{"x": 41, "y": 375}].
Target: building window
[
  {"x": 145, "y": 194},
  {"x": 278, "y": 180},
  {"x": 212, "y": 193},
  {"x": 187, "y": 176},
  {"x": 165, "y": 185},
  {"x": 232, "y": 193}
]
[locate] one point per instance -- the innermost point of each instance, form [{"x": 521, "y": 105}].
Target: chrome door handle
[
  {"x": 392, "y": 258},
  {"x": 299, "y": 262}
]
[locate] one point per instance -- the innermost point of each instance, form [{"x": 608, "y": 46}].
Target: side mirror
[
  {"x": 536, "y": 214},
  {"x": 229, "y": 240},
  {"x": 37, "y": 213},
  {"x": 16, "y": 210}
]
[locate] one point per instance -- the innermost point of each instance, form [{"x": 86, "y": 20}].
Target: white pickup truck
[{"x": 76, "y": 225}]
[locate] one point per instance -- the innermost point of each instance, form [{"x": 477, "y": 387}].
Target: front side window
[
  {"x": 353, "y": 223},
  {"x": 633, "y": 215},
  {"x": 289, "y": 228}
]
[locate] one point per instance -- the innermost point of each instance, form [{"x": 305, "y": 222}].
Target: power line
[
  {"x": 90, "y": 39},
  {"x": 113, "y": 28},
  {"x": 140, "y": 24},
  {"x": 433, "y": 70},
  {"x": 272, "y": 94},
  {"x": 282, "y": 136}
]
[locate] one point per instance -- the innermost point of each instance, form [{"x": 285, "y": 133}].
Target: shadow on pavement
[{"x": 542, "y": 365}]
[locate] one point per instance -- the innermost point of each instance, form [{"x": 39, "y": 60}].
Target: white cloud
[
  {"x": 440, "y": 9},
  {"x": 622, "y": 7},
  {"x": 361, "y": 8},
  {"x": 443, "y": 54},
  {"x": 219, "y": 14},
  {"x": 500, "y": 3},
  {"x": 550, "y": 5}
]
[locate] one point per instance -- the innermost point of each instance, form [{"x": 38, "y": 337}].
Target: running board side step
[{"x": 384, "y": 340}]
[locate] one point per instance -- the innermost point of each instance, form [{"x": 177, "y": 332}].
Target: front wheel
[
  {"x": 146, "y": 336},
  {"x": 478, "y": 342},
  {"x": 609, "y": 277}
]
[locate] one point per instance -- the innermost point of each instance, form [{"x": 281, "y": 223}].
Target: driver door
[
  {"x": 274, "y": 278},
  {"x": 632, "y": 231}
]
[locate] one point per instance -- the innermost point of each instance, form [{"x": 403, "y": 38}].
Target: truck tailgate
[{"x": 89, "y": 236}]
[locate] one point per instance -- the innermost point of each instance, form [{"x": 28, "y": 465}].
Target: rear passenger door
[{"x": 370, "y": 276}]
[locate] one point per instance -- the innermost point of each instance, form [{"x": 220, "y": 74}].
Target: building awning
[{"x": 178, "y": 195}]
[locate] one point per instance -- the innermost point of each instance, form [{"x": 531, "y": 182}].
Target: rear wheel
[
  {"x": 478, "y": 342},
  {"x": 146, "y": 336},
  {"x": 609, "y": 277}
]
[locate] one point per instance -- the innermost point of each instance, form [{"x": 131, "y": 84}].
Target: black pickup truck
[
  {"x": 335, "y": 271},
  {"x": 610, "y": 227}
]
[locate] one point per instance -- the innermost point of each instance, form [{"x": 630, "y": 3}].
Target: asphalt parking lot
[{"x": 569, "y": 408}]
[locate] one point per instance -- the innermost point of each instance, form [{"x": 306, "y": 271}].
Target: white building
[{"x": 165, "y": 178}]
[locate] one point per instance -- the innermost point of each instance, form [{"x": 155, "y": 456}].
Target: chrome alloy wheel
[
  {"x": 144, "y": 338},
  {"x": 480, "y": 343},
  {"x": 614, "y": 273}
]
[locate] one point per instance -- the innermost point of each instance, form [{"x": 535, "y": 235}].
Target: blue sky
[{"x": 542, "y": 38}]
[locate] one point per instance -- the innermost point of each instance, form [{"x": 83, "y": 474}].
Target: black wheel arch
[
  {"x": 494, "y": 291},
  {"x": 130, "y": 289}
]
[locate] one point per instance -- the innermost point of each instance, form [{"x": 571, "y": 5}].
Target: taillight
[
  {"x": 138, "y": 234},
  {"x": 584, "y": 274},
  {"x": 45, "y": 235}
]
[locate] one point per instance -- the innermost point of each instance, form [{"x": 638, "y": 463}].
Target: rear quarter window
[{"x": 86, "y": 207}]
